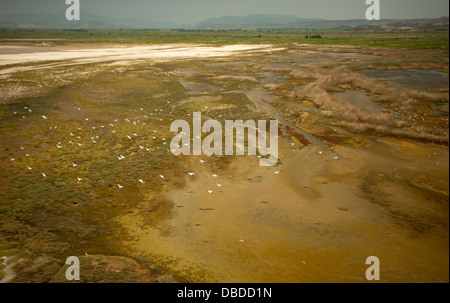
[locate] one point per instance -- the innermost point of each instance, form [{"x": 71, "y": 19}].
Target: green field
[{"x": 407, "y": 40}]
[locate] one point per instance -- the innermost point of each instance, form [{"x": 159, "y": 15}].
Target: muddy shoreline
[{"x": 87, "y": 170}]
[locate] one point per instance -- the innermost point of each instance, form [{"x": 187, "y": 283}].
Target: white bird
[
  {"x": 219, "y": 185},
  {"x": 215, "y": 176},
  {"x": 58, "y": 146},
  {"x": 276, "y": 173},
  {"x": 120, "y": 186},
  {"x": 141, "y": 181},
  {"x": 44, "y": 117},
  {"x": 29, "y": 168},
  {"x": 22, "y": 148},
  {"x": 72, "y": 135},
  {"x": 121, "y": 157},
  {"x": 321, "y": 152},
  {"x": 44, "y": 175},
  {"x": 12, "y": 159},
  {"x": 191, "y": 174},
  {"x": 79, "y": 144},
  {"x": 202, "y": 161},
  {"x": 210, "y": 191},
  {"x": 129, "y": 137},
  {"x": 79, "y": 179},
  {"x": 74, "y": 165},
  {"x": 162, "y": 177}
]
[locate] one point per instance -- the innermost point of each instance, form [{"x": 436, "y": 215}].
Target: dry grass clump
[
  {"x": 236, "y": 78},
  {"x": 278, "y": 69},
  {"x": 298, "y": 74},
  {"x": 358, "y": 119},
  {"x": 419, "y": 133},
  {"x": 271, "y": 86},
  {"x": 195, "y": 75},
  {"x": 397, "y": 98}
]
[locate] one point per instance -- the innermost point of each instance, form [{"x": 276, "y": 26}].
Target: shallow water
[{"x": 425, "y": 80}]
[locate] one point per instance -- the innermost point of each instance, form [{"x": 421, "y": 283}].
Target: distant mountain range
[
  {"x": 255, "y": 21},
  {"x": 88, "y": 21}
]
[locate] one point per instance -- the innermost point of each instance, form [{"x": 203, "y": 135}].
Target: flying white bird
[{"x": 79, "y": 179}]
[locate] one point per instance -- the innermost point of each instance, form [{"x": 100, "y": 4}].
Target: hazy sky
[{"x": 193, "y": 11}]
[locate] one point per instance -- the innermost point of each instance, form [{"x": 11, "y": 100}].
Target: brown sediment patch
[
  {"x": 301, "y": 233},
  {"x": 293, "y": 133},
  {"x": 235, "y": 78}
]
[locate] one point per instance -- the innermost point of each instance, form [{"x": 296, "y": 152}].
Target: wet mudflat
[{"x": 86, "y": 166}]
